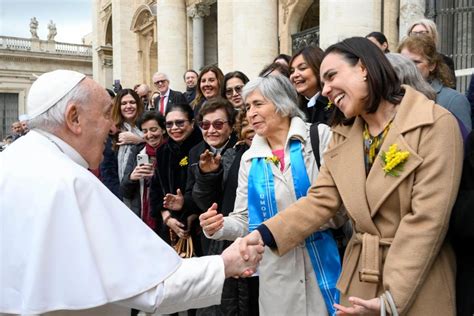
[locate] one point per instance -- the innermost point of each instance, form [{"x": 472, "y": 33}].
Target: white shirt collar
[
  {"x": 67, "y": 149},
  {"x": 312, "y": 101}
]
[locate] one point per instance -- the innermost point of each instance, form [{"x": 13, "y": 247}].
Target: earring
[{"x": 365, "y": 78}]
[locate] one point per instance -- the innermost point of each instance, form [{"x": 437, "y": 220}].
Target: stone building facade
[
  {"x": 134, "y": 38},
  {"x": 22, "y": 60}
]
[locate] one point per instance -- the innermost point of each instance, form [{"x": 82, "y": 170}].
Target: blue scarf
[{"x": 262, "y": 205}]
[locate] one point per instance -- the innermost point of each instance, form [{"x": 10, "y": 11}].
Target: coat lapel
[
  {"x": 380, "y": 185},
  {"x": 349, "y": 176}
]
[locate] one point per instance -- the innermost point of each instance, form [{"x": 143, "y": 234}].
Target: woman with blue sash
[{"x": 276, "y": 171}]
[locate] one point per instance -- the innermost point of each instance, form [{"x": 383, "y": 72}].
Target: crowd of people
[{"x": 353, "y": 166}]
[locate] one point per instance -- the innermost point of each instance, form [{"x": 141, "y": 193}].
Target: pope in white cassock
[{"x": 67, "y": 245}]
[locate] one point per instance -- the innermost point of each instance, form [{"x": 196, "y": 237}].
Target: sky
[{"x": 72, "y": 18}]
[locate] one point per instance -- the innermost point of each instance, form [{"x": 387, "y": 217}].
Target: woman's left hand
[
  {"x": 126, "y": 138},
  {"x": 359, "y": 307},
  {"x": 174, "y": 202}
]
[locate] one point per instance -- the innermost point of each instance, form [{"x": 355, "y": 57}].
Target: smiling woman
[
  {"x": 387, "y": 164},
  {"x": 274, "y": 172},
  {"x": 304, "y": 69},
  {"x": 209, "y": 85},
  {"x": 173, "y": 210},
  {"x": 126, "y": 109}
]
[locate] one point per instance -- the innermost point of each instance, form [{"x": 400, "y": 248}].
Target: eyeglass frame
[
  {"x": 230, "y": 91},
  {"x": 418, "y": 33},
  {"x": 178, "y": 123},
  {"x": 203, "y": 124}
]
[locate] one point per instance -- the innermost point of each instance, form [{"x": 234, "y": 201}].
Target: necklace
[{"x": 372, "y": 144}]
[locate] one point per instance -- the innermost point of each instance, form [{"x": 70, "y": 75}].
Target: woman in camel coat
[{"x": 397, "y": 259}]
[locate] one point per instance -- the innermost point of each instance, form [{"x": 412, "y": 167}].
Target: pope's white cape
[{"x": 66, "y": 242}]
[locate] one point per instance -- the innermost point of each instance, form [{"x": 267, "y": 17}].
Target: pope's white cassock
[{"x": 69, "y": 247}]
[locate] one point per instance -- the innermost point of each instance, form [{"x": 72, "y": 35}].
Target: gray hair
[
  {"x": 54, "y": 118},
  {"x": 156, "y": 74},
  {"x": 408, "y": 74},
  {"x": 279, "y": 90}
]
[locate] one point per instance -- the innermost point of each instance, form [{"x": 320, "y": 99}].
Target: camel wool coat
[{"x": 400, "y": 223}]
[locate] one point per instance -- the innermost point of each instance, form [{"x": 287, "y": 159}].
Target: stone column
[
  {"x": 198, "y": 12},
  {"x": 342, "y": 19},
  {"x": 125, "y": 57},
  {"x": 255, "y": 40},
  {"x": 171, "y": 41},
  {"x": 225, "y": 49},
  {"x": 390, "y": 28},
  {"x": 410, "y": 11}
]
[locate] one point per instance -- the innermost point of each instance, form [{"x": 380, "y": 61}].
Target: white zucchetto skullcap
[{"x": 49, "y": 88}]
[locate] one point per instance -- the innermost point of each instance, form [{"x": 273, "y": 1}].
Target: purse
[
  {"x": 184, "y": 247},
  {"x": 387, "y": 302}
]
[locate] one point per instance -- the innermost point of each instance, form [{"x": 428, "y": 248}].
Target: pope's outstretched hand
[{"x": 236, "y": 265}]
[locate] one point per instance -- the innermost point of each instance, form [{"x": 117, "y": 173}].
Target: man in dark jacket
[
  {"x": 167, "y": 96},
  {"x": 190, "y": 78}
]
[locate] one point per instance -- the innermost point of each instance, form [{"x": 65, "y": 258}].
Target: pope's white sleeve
[{"x": 196, "y": 283}]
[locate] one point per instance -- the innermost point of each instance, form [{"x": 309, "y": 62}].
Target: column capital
[{"x": 199, "y": 10}]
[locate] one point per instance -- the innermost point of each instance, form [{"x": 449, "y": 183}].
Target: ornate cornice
[{"x": 199, "y": 10}]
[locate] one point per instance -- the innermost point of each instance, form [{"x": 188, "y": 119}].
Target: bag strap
[{"x": 314, "y": 136}]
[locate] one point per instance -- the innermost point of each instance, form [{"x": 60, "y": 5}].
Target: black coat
[
  {"x": 109, "y": 168},
  {"x": 170, "y": 176},
  {"x": 175, "y": 97},
  {"x": 319, "y": 113},
  {"x": 461, "y": 232},
  {"x": 239, "y": 296},
  {"x": 190, "y": 94}
]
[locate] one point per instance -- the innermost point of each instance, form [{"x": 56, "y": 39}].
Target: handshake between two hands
[{"x": 243, "y": 256}]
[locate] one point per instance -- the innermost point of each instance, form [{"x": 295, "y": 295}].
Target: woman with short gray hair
[
  {"x": 408, "y": 74},
  {"x": 278, "y": 90},
  {"x": 274, "y": 172}
]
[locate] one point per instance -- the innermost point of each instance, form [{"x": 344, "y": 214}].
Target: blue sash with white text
[{"x": 262, "y": 205}]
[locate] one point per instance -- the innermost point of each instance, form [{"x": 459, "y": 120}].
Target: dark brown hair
[
  {"x": 220, "y": 79},
  {"x": 215, "y": 104},
  {"x": 117, "y": 112},
  {"x": 382, "y": 80},
  {"x": 313, "y": 56}
]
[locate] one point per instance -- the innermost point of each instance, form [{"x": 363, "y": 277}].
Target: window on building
[{"x": 8, "y": 112}]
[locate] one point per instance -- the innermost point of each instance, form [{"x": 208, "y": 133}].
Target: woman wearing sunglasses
[
  {"x": 213, "y": 177},
  {"x": 172, "y": 159},
  {"x": 234, "y": 82}
]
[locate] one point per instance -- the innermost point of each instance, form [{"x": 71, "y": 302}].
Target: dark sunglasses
[
  {"x": 217, "y": 124},
  {"x": 160, "y": 82},
  {"x": 230, "y": 91},
  {"x": 178, "y": 123}
]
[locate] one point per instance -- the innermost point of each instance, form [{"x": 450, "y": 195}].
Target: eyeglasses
[
  {"x": 178, "y": 123},
  {"x": 230, "y": 91},
  {"x": 419, "y": 33},
  {"x": 217, "y": 124},
  {"x": 160, "y": 82}
]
